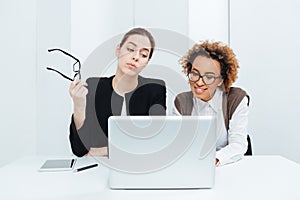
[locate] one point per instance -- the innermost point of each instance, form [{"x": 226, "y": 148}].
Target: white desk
[{"x": 255, "y": 177}]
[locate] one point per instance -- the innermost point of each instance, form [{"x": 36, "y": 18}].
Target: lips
[
  {"x": 199, "y": 90},
  {"x": 131, "y": 65}
]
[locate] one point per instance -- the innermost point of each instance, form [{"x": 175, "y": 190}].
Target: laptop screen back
[{"x": 161, "y": 152}]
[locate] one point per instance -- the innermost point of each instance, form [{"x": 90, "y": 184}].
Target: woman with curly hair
[{"x": 211, "y": 68}]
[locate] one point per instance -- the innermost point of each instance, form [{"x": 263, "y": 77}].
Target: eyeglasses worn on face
[
  {"x": 208, "y": 79},
  {"x": 76, "y": 66}
]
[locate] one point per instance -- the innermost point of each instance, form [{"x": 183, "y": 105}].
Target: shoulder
[
  {"x": 184, "y": 96},
  {"x": 184, "y": 102},
  {"x": 236, "y": 95},
  {"x": 96, "y": 80},
  {"x": 151, "y": 86},
  {"x": 99, "y": 79},
  {"x": 144, "y": 80},
  {"x": 236, "y": 91},
  {"x": 94, "y": 83}
]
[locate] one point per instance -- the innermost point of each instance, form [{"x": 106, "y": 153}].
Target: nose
[
  {"x": 200, "y": 82},
  {"x": 135, "y": 55}
]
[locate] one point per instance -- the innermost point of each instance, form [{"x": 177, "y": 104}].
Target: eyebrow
[
  {"x": 200, "y": 73},
  {"x": 136, "y": 46},
  {"x": 195, "y": 70}
]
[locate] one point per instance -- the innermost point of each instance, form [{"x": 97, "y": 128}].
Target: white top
[
  {"x": 123, "y": 111},
  {"x": 230, "y": 145}
]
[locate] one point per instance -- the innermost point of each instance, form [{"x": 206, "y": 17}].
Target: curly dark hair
[{"x": 217, "y": 51}]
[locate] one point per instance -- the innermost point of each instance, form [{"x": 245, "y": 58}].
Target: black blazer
[{"x": 149, "y": 98}]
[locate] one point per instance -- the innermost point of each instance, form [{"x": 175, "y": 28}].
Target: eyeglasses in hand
[{"x": 76, "y": 66}]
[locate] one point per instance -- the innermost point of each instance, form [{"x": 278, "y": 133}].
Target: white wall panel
[
  {"x": 168, "y": 22},
  {"x": 208, "y": 20},
  {"x": 53, "y": 101},
  {"x": 96, "y": 21},
  {"x": 18, "y": 79},
  {"x": 265, "y": 37}
]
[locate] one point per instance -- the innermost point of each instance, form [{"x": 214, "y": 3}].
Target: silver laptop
[{"x": 161, "y": 152}]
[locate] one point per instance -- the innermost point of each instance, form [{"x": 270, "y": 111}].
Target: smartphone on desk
[{"x": 58, "y": 165}]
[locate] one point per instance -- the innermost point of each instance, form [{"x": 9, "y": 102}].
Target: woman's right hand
[{"x": 78, "y": 91}]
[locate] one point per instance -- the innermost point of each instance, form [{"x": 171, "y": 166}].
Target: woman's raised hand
[{"x": 78, "y": 91}]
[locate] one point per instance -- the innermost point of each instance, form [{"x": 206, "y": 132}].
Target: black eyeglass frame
[
  {"x": 202, "y": 76},
  {"x": 77, "y": 72}
]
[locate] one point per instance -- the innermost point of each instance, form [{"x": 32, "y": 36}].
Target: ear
[
  {"x": 221, "y": 82},
  {"x": 118, "y": 50}
]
